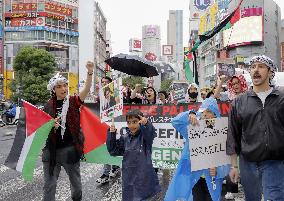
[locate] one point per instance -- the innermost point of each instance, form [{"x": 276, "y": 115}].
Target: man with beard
[
  {"x": 256, "y": 127},
  {"x": 192, "y": 93}
]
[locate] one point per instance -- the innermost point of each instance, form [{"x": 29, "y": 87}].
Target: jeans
[
  {"x": 266, "y": 177},
  {"x": 107, "y": 169}
]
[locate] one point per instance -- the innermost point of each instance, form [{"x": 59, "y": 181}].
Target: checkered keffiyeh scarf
[
  {"x": 265, "y": 60},
  {"x": 243, "y": 83}
]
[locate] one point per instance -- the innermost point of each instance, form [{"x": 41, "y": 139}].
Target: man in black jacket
[{"x": 256, "y": 134}]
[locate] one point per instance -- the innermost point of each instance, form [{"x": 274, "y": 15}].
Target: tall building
[
  {"x": 92, "y": 40},
  {"x": 175, "y": 34},
  {"x": 47, "y": 24},
  {"x": 151, "y": 42}
]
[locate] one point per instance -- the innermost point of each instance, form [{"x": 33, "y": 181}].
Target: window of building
[
  {"x": 34, "y": 35},
  {"x": 40, "y": 7},
  {"x": 17, "y": 36},
  {"x": 61, "y": 38},
  {"x": 69, "y": 26},
  {"x": 8, "y": 36},
  {"x": 67, "y": 39},
  {"x": 54, "y": 22},
  {"x": 41, "y": 35},
  {"x": 54, "y": 36},
  {"x": 48, "y": 21},
  {"x": 48, "y": 35}
]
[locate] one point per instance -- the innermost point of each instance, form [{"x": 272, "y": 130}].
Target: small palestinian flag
[
  {"x": 95, "y": 133},
  {"x": 31, "y": 135}
]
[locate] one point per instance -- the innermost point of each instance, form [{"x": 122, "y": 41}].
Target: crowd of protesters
[{"x": 255, "y": 140}]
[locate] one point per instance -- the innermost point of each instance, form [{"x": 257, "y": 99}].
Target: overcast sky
[{"x": 126, "y": 17}]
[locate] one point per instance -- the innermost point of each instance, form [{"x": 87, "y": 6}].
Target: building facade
[
  {"x": 51, "y": 25},
  {"x": 175, "y": 35},
  {"x": 257, "y": 32},
  {"x": 92, "y": 40},
  {"x": 151, "y": 42}
]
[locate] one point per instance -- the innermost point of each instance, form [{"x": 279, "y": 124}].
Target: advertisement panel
[
  {"x": 168, "y": 50},
  {"x": 245, "y": 31},
  {"x": 19, "y": 22},
  {"x": 208, "y": 20},
  {"x": 135, "y": 45},
  {"x": 151, "y": 31},
  {"x": 58, "y": 9},
  {"x": 198, "y": 7}
]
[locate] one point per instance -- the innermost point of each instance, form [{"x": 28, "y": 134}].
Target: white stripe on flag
[{"x": 24, "y": 152}]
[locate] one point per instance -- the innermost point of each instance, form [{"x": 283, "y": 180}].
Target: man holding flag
[{"x": 65, "y": 143}]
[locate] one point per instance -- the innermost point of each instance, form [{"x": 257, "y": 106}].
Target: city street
[{"x": 14, "y": 188}]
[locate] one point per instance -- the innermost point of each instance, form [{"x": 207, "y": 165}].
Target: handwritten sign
[{"x": 207, "y": 144}]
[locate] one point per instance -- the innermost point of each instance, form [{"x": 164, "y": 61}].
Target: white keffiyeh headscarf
[
  {"x": 55, "y": 80},
  {"x": 51, "y": 84}
]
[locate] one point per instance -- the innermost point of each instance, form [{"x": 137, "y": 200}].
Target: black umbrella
[{"x": 132, "y": 65}]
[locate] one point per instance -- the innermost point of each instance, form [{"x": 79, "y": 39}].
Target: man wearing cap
[
  {"x": 65, "y": 143},
  {"x": 256, "y": 135}
]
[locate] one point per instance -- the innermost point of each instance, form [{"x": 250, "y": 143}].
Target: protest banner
[
  {"x": 111, "y": 104},
  {"x": 168, "y": 144},
  {"x": 208, "y": 144}
]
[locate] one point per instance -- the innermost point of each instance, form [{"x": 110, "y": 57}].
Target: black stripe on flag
[{"x": 18, "y": 143}]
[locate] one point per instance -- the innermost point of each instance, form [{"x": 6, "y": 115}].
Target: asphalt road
[{"x": 14, "y": 188}]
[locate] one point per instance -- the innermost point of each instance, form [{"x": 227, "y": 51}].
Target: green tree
[
  {"x": 165, "y": 85},
  {"x": 133, "y": 80},
  {"x": 33, "y": 69}
]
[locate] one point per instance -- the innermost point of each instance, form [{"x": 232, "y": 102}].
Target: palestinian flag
[
  {"x": 95, "y": 133},
  {"x": 227, "y": 23},
  {"x": 31, "y": 135}
]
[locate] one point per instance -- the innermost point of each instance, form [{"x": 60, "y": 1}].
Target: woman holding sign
[{"x": 201, "y": 185}]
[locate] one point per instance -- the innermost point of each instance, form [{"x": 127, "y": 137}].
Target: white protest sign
[
  {"x": 111, "y": 100},
  {"x": 207, "y": 144}
]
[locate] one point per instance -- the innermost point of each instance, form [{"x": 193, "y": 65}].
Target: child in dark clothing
[{"x": 139, "y": 180}]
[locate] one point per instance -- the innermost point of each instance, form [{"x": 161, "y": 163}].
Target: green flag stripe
[
  {"x": 38, "y": 142},
  {"x": 100, "y": 155}
]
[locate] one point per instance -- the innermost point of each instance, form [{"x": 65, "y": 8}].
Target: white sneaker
[
  {"x": 229, "y": 196},
  {"x": 113, "y": 172},
  {"x": 103, "y": 179}
]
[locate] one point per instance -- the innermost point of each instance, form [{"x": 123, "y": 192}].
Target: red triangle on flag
[
  {"x": 95, "y": 132},
  {"x": 236, "y": 17},
  {"x": 35, "y": 118}
]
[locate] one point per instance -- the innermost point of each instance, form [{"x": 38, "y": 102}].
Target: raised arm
[
  {"x": 90, "y": 71},
  {"x": 115, "y": 147}
]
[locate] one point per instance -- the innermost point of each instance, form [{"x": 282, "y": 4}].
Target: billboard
[
  {"x": 198, "y": 7},
  {"x": 208, "y": 20},
  {"x": 246, "y": 31},
  {"x": 135, "y": 45},
  {"x": 168, "y": 50},
  {"x": 151, "y": 31}
]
